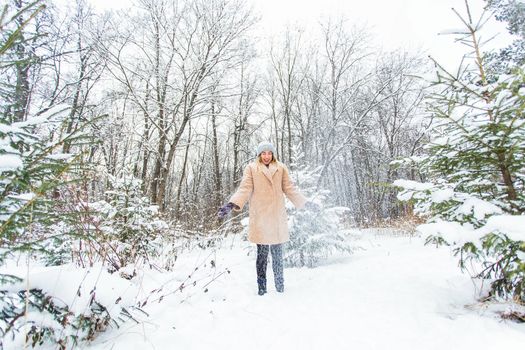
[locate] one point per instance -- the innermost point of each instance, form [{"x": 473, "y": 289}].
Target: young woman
[{"x": 264, "y": 184}]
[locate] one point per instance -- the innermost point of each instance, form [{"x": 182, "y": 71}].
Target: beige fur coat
[{"x": 265, "y": 188}]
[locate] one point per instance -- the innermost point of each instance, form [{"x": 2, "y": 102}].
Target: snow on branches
[{"x": 474, "y": 193}]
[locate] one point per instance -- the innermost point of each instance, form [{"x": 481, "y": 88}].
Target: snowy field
[{"x": 394, "y": 293}]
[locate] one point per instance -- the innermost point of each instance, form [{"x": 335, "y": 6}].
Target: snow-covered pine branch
[{"x": 474, "y": 195}]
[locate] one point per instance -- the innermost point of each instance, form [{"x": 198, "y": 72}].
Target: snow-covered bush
[
  {"x": 59, "y": 247},
  {"x": 127, "y": 226},
  {"x": 32, "y": 173},
  {"x": 62, "y": 306},
  {"x": 316, "y": 231},
  {"x": 37, "y": 213},
  {"x": 475, "y": 171}
]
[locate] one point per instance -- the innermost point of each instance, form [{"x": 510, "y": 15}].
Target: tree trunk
[
  {"x": 183, "y": 173},
  {"x": 216, "y": 165}
]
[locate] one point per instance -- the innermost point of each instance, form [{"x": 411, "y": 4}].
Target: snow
[
  {"x": 458, "y": 113},
  {"x": 458, "y": 30},
  {"x": 60, "y": 156},
  {"x": 25, "y": 197},
  {"x": 54, "y": 114},
  {"x": 393, "y": 293},
  {"x": 442, "y": 195},
  {"x": 413, "y": 185},
  {"x": 513, "y": 226},
  {"x": 452, "y": 232},
  {"x": 338, "y": 210},
  {"x": 441, "y": 141},
  {"x": 412, "y": 189},
  {"x": 478, "y": 207},
  {"x": 75, "y": 286},
  {"x": 10, "y": 162}
]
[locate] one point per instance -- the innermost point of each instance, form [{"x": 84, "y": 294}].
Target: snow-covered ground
[{"x": 394, "y": 293}]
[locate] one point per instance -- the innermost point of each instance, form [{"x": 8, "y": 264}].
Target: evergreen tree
[
  {"x": 511, "y": 12},
  {"x": 475, "y": 165},
  {"x": 130, "y": 227},
  {"x": 315, "y": 232},
  {"x": 34, "y": 172},
  {"x": 35, "y": 179}
]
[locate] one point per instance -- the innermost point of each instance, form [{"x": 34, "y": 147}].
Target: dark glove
[
  {"x": 311, "y": 206},
  {"x": 225, "y": 210}
]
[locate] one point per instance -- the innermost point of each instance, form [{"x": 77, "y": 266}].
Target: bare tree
[
  {"x": 183, "y": 43},
  {"x": 342, "y": 99},
  {"x": 285, "y": 63}
]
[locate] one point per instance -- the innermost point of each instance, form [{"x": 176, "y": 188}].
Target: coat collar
[{"x": 269, "y": 171}]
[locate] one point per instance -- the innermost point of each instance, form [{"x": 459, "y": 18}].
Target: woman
[{"x": 264, "y": 184}]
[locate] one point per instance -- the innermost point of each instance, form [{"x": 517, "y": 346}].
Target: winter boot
[
  {"x": 261, "y": 283},
  {"x": 262, "y": 290}
]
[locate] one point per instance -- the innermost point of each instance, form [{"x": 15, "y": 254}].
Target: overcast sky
[{"x": 410, "y": 24}]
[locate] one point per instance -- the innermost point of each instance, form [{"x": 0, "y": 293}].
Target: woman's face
[{"x": 266, "y": 157}]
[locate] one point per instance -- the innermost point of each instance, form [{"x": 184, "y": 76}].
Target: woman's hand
[{"x": 225, "y": 210}]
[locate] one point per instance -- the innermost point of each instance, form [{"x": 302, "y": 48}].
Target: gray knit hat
[{"x": 265, "y": 146}]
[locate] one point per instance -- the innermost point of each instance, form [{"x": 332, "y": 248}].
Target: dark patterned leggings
[{"x": 277, "y": 264}]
